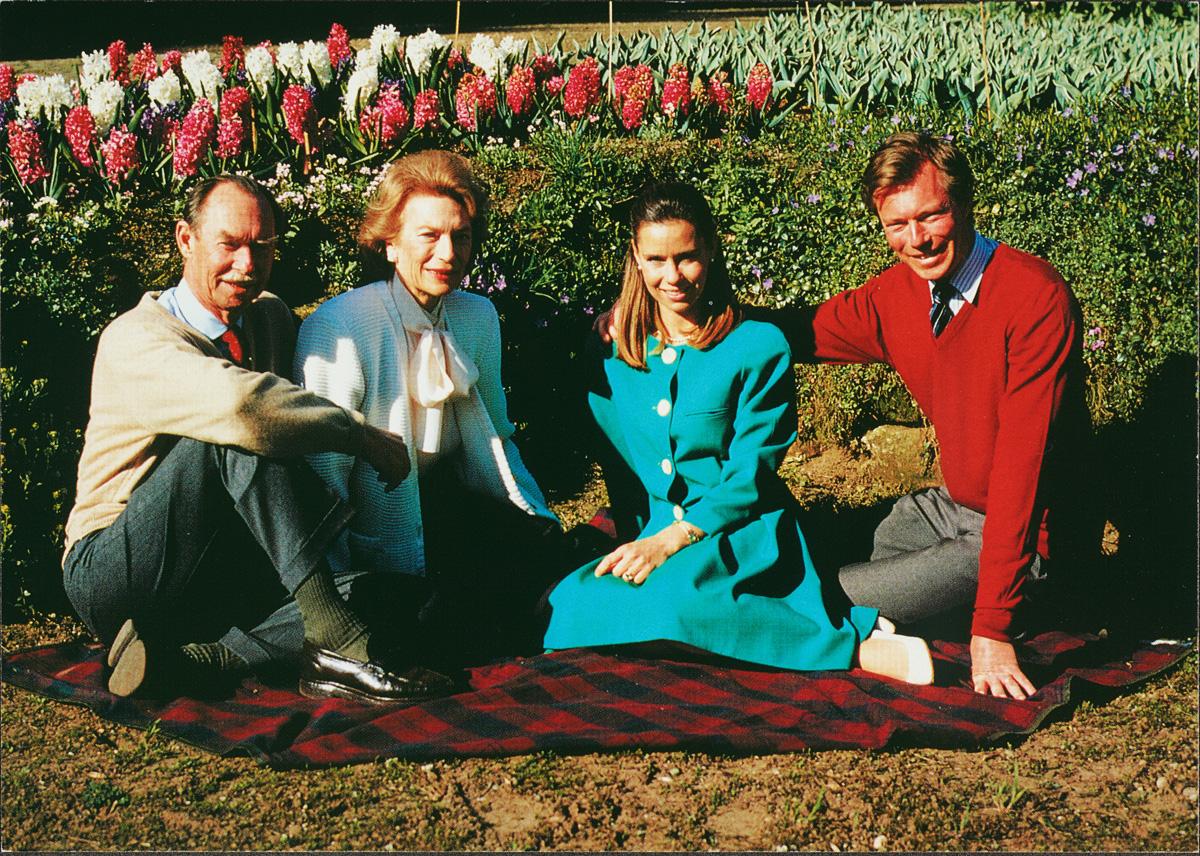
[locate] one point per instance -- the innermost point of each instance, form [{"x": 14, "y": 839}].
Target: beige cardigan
[{"x": 157, "y": 379}]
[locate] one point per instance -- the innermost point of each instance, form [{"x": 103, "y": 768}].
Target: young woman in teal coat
[{"x": 698, "y": 407}]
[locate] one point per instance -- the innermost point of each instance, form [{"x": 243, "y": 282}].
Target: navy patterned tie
[{"x": 940, "y": 312}]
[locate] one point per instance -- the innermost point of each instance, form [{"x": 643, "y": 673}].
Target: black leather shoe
[{"x": 325, "y": 674}]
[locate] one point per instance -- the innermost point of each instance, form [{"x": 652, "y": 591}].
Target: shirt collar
[
  {"x": 195, "y": 315},
  {"x": 967, "y": 278}
]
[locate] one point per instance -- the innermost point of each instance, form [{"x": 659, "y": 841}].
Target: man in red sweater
[{"x": 988, "y": 341}]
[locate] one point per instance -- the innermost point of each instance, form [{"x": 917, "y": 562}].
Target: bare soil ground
[{"x": 1110, "y": 775}]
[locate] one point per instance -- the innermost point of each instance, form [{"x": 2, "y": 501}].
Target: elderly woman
[{"x": 417, "y": 356}]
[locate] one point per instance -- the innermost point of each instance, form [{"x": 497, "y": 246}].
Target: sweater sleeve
[
  {"x": 1038, "y": 357},
  {"x": 327, "y": 362},
  {"x": 184, "y": 391},
  {"x": 764, "y": 426},
  {"x": 846, "y": 328}
]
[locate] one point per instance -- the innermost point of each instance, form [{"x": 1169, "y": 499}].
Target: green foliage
[
  {"x": 100, "y": 794},
  {"x": 1105, "y": 191}
]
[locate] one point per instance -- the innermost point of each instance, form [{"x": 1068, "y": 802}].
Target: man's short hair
[
  {"x": 900, "y": 157},
  {"x": 197, "y": 198}
]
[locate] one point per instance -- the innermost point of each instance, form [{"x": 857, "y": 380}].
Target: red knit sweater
[{"x": 992, "y": 385}]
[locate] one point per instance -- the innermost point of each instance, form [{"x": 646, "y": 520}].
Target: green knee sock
[
  {"x": 214, "y": 656},
  {"x": 328, "y": 621}
]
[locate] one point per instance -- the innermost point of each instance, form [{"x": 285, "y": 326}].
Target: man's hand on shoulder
[
  {"x": 388, "y": 454},
  {"x": 606, "y": 322},
  {"x": 994, "y": 669}
]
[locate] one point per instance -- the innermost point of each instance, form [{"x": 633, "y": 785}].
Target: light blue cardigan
[{"x": 354, "y": 351}]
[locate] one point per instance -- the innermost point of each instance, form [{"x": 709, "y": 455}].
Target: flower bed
[{"x": 141, "y": 118}]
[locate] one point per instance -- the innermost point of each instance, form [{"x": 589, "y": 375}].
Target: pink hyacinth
[
  {"x": 233, "y": 54},
  {"x": 720, "y": 92},
  {"x": 426, "y": 110},
  {"x": 758, "y": 86},
  {"x": 231, "y": 133},
  {"x": 633, "y": 86},
  {"x": 474, "y": 100},
  {"x": 338, "y": 44},
  {"x": 8, "y": 82},
  {"x": 25, "y": 149},
  {"x": 235, "y": 102},
  {"x": 677, "y": 91},
  {"x": 388, "y": 118},
  {"x": 171, "y": 61},
  {"x": 582, "y": 91},
  {"x": 454, "y": 60},
  {"x": 120, "y": 154},
  {"x": 194, "y": 138},
  {"x": 544, "y": 67},
  {"x": 143, "y": 66},
  {"x": 633, "y": 112},
  {"x": 519, "y": 90},
  {"x": 555, "y": 84},
  {"x": 80, "y": 131},
  {"x": 266, "y": 43},
  {"x": 118, "y": 62},
  {"x": 300, "y": 115}
]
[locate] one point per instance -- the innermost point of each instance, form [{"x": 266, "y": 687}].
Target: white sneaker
[{"x": 905, "y": 658}]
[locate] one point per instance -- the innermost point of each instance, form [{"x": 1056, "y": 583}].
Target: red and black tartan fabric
[{"x": 579, "y": 701}]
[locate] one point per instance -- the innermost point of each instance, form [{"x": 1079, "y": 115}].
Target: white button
[
  {"x": 678, "y": 511},
  {"x": 669, "y": 355},
  {"x": 666, "y": 466},
  {"x": 663, "y": 408}
]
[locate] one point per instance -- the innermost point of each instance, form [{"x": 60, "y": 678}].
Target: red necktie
[{"x": 233, "y": 346}]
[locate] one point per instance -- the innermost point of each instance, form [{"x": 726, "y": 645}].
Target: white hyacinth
[
  {"x": 420, "y": 49},
  {"x": 362, "y": 84},
  {"x": 202, "y": 76},
  {"x": 512, "y": 48},
  {"x": 93, "y": 68},
  {"x": 385, "y": 40},
  {"x": 103, "y": 103},
  {"x": 260, "y": 67},
  {"x": 316, "y": 57},
  {"x": 165, "y": 88},
  {"x": 291, "y": 62},
  {"x": 484, "y": 54},
  {"x": 48, "y": 96}
]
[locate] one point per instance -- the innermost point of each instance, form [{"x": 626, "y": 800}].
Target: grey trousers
[
  {"x": 925, "y": 560},
  {"x": 210, "y": 547}
]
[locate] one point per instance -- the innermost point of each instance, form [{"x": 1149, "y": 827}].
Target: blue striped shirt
[{"x": 967, "y": 278}]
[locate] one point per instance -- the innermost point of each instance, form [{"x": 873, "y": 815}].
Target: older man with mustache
[{"x": 196, "y": 546}]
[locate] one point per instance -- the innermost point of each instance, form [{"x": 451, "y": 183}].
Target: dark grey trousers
[
  {"x": 925, "y": 561},
  {"x": 210, "y": 547}
]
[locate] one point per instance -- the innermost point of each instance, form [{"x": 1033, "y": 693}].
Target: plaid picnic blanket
[{"x": 581, "y": 701}]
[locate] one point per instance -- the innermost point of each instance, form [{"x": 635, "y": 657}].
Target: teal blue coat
[{"x": 703, "y": 433}]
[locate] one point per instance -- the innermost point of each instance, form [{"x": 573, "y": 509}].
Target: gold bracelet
[{"x": 692, "y": 533}]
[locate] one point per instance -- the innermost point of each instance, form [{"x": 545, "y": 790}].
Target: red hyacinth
[
  {"x": 300, "y": 115},
  {"x": 338, "y": 44},
  {"x": 677, "y": 91},
  {"x": 80, "y": 131},
  {"x": 474, "y": 100},
  {"x": 758, "y": 86},
  {"x": 388, "y": 118},
  {"x": 8, "y": 82},
  {"x": 544, "y": 67},
  {"x": 555, "y": 84},
  {"x": 120, "y": 154},
  {"x": 233, "y": 54},
  {"x": 231, "y": 134},
  {"x": 235, "y": 102},
  {"x": 426, "y": 109},
  {"x": 720, "y": 92},
  {"x": 633, "y": 87},
  {"x": 25, "y": 149},
  {"x": 194, "y": 138},
  {"x": 519, "y": 90},
  {"x": 454, "y": 60},
  {"x": 118, "y": 62},
  {"x": 143, "y": 65},
  {"x": 582, "y": 91},
  {"x": 171, "y": 60}
]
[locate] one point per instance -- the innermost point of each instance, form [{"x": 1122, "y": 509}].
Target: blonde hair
[
  {"x": 639, "y": 318},
  {"x": 433, "y": 172}
]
